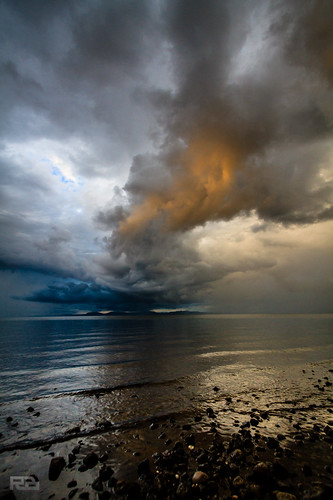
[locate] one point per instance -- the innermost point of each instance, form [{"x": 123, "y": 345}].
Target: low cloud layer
[{"x": 134, "y": 131}]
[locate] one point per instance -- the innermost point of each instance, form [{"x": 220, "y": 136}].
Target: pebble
[
  {"x": 55, "y": 468},
  {"x": 199, "y": 477}
]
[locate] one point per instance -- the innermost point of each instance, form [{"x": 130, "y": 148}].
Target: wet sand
[{"x": 234, "y": 447}]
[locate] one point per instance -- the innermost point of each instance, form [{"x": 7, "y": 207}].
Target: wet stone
[
  {"x": 199, "y": 477},
  {"x": 90, "y": 460},
  {"x": 55, "y": 468},
  {"x": 144, "y": 467}
]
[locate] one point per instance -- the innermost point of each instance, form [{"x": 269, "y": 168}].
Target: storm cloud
[{"x": 156, "y": 150}]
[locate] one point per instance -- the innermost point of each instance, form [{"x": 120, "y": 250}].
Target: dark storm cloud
[
  {"x": 92, "y": 296},
  {"x": 233, "y": 144},
  {"x": 222, "y": 109}
]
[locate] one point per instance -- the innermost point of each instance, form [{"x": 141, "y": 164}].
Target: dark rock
[
  {"x": 82, "y": 468},
  {"x": 73, "y": 492},
  {"x": 261, "y": 474},
  {"x": 30, "y": 409},
  {"x": 238, "y": 482},
  {"x": 56, "y": 466},
  {"x": 37, "y": 414},
  {"x": 162, "y": 436},
  {"x": 228, "y": 399},
  {"x": 186, "y": 427},
  {"x": 153, "y": 426},
  {"x": 254, "y": 422},
  {"x": 197, "y": 418},
  {"x": 97, "y": 484},
  {"x": 103, "y": 457},
  {"x": 272, "y": 443},
  {"x": 279, "y": 471},
  {"x": 190, "y": 440},
  {"x": 84, "y": 495},
  {"x": 307, "y": 470},
  {"x": 144, "y": 467},
  {"x": 9, "y": 419},
  {"x": 216, "y": 388},
  {"x": 90, "y": 460},
  {"x": 105, "y": 473},
  {"x": 105, "y": 495},
  {"x": 76, "y": 450},
  {"x": 71, "y": 484}
]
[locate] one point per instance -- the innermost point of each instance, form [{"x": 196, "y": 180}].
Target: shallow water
[{"x": 123, "y": 370}]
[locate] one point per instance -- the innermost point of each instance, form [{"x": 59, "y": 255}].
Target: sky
[{"x": 166, "y": 155}]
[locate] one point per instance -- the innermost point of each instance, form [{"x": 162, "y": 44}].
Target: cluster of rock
[{"x": 246, "y": 467}]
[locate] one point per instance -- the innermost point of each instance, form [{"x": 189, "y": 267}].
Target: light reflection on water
[{"x": 47, "y": 362}]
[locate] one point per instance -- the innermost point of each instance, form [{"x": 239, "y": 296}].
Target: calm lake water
[{"x": 83, "y": 371}]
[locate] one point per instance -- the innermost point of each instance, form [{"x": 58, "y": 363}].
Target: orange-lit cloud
[{"x": 199, "y": 191}]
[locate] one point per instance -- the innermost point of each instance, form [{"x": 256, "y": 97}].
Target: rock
[
  {"x": 254, "y": 422},
  {"x": 97, "y": 484},
  {"x": 153, "y": 426},
  {"x": 105, "y": 473},
  {"x": 216, "y": 388},
  {"x": 103, "y": 457},
  {"x": 307, "y": 470},
  {"x": 9, "y": 419},
  {"x": 30, "y": 409},
  {"x": 56, "y": 466},
  {"x": 284, "y": 495},
  {"x": 105, "y": 495},
  {"x": 73, "y": 492},
  {"x": 90, "y": 460},
  {"x": 144, "y": 467},
  {"x": 186, "y": 427},
  {"x": 279, "y": 471},
  {"x": 261, "y": 473},
  {"x": 238, "y": 482},
  {"x": 190, "y": 440},
  {"x": 84, "y": 495},
  {"x": 228, "y": 399},
  {"x": 82, "y": 468},
  {"x": 199, "y": 477},
  {"x": 76, "y": 450},
  {"x": 272, "y": 443},
  {"x": 210, "y": 412},
  {"x": 37, "y": 414},
  {"x": 71, "y": 484}
]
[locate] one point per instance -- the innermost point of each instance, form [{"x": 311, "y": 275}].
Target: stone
[
  {"x": 238, "y": 482},
  {"x": 56, "y": 466},
  {"x": 144, "y": 467},
  {"x": 153, "y": 426},
  {"x": 73, "y": 492},
  {"x": 97, "y": 484},
  {"x": 71, "y": 484},
  {"x": 199, "y": 477},
  {"x": 284, "y": 495},
  {"x": 105, "y": 473},
  {"x": 30, "y": 409},
  {"x": 90, "y": 460},
  {"x": 272, "y": 443}
]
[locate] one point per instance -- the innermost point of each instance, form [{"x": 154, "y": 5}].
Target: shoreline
[{"x": 229, "y": 450}]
